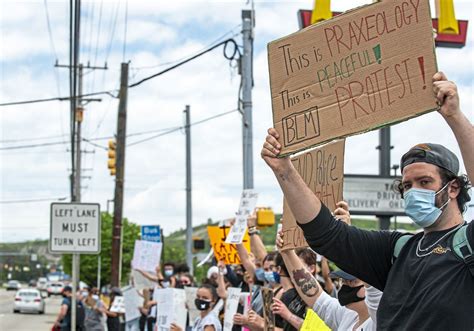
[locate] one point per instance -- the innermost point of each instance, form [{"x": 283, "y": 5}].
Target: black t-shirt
[
  {"x": 434, "y": 292},
  {"x": 295, "y": 305}
]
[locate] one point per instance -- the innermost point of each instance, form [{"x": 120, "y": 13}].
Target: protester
[
  {"x": 115, "y": 321},
  {"x": 426, "y": 285},
  {"x": 94, "y": 309},
  {"x": 206, "y": 298},
  {"x": 289, "y": 301},
  {"x": 168, "y": 280},
  {"x": 348, "y": 312},
  {"x": 63, "y": 320}
]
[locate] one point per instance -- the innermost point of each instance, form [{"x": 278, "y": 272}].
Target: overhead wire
[
  {"x": 225, "y": 43},
  {"x": 6, "y": 141},
  {"x": 32, "y": 200},
  {"x": 124, "y": 49},
  {"x": 181, "y": 127}
]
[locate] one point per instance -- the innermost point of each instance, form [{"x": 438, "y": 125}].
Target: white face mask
[{"x": 95, "y": 297}]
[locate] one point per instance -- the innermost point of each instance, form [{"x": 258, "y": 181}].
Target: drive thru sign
[{"x": 75, "y": 228}]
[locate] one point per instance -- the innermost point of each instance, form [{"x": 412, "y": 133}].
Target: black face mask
[
  {"x": 202, "y": 304},
  {"x": 347, "y": 295}
]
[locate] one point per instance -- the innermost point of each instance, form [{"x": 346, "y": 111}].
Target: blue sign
[{"x": 151, "y": 233}]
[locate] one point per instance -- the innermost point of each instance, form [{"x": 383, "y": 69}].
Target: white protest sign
[
  {"x": 146, "y": 255},
  {"x": 133, "y": 301},
  {"x": 231, "y": 305},
  {"x": 140, "y": 282},
  {"x": 192, "y": 310},
  {"x": 248, "y": 201},
  {"x": 170, "y": 305},
  {"x": 75, "y": 228},
  {"x": 118, "y": 306}
]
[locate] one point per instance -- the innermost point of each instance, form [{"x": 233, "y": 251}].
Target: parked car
[
  {"x": 42, "y": 284},
  {"x": 13, "y": 285},
  {"x": 55, "y": 288},
  {"x": 32, "y": 283},
  {"x": 29, "y": 300}
]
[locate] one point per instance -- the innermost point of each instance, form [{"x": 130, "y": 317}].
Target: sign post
[{"x": 75, "y": 229}]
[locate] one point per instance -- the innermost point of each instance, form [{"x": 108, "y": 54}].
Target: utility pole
[
  {"x": 384, "y": 168},
  {"x": 120, "y": 174},
  {"x": 189, "y": 204},
  {"x": 247, "y": 84}
]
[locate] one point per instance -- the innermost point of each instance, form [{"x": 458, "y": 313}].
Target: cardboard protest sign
[
  {"x": 146, "y": 255},
  {"x": 132, "y": 301},
  {"x": 118, "y": 306},
  {"x": 170, "y": 308},
  {"x": 223, "y": 251},
  {"x": 268, "y": 316},
  {"x": 361, "y": 70},
  {"x": 231, "y": 305},
  {"x": 193, "y": 312},
  {"x": 322, "y": 169},
  {"x": 140, "y": 282},
  {"x": 248, "y": 201},
  {"x": 313, "y": 322}
]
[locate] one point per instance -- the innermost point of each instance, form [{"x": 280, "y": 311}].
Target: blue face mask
[
  {"x": 260, "y": 274},
  {"x": 272, "y": 277},
  {"x": 420, "y": 205}
]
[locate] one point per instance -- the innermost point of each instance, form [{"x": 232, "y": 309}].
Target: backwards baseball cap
[
  {"x": 342, "y": 274},
  {"x": 431, "y": 153}
]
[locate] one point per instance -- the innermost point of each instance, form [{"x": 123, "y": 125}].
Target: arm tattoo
[{"x": 306, "y": 282}]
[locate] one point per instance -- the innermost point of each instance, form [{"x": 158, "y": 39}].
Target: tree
[{"x": 89, "y": 263}]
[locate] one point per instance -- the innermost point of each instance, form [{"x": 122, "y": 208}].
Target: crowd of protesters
[{"x": 383, "y": 280}]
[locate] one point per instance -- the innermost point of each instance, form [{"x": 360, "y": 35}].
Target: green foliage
[{"x": 89, "y": 263}]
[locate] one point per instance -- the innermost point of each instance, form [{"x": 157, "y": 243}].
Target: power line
[
  {"x": 185, "y": 57},
  {"x": 225, "y": 43},
  {"x": 30, "y": 139},
  {"x": 90, "y": 141},
  {"x": 182, "y": 127},
  {"x": 32, "y": 200},
  {"x": 110, "y": 92},
  {"x": 125, "y": 32},
  {"x": 33, "y": 145}
]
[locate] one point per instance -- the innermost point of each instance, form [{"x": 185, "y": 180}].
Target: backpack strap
[
  {"x": 399, "y": 245},
  {"x": 462, "y": 248}
]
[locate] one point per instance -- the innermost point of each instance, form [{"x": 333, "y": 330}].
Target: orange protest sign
[{"x": 223, "y": 251}]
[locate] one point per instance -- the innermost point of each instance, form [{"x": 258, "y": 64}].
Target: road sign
[
  {"x": 75, "y": 228},
  {"x": 372, "y": 195},
  {"x": 151, "y": 233}
]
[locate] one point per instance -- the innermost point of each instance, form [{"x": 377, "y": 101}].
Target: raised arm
[
  {"x": 245, "y": 260},
  {"x": 305, "y": 284},
  {"x": 448, "y": 99},
  {"x": 256, "y": 244}
]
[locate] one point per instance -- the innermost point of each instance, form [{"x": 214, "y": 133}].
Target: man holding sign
[{"x": 427, "y": 280}]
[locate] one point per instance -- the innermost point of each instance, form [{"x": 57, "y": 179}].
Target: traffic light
[
  {"x": 321, "y": 11},
  {"x": 265, "y": 217},
  {"x": 447, "y": 22},
  {"x": 111, "y": 154},
  {"x": 198, "y": 244}
]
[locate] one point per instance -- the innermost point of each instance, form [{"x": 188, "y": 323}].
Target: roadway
[{"x": 27, "y": 321}]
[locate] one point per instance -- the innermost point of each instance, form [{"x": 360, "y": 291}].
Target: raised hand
[
  {"x": 271, "y": 150},
  {"x": 446, "y": 93}
]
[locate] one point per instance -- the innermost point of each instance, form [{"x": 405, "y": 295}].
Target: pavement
[{"x": 27, "y": 321}]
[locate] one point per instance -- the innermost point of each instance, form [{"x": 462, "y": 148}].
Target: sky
[{"x": 153, "y": 35}]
